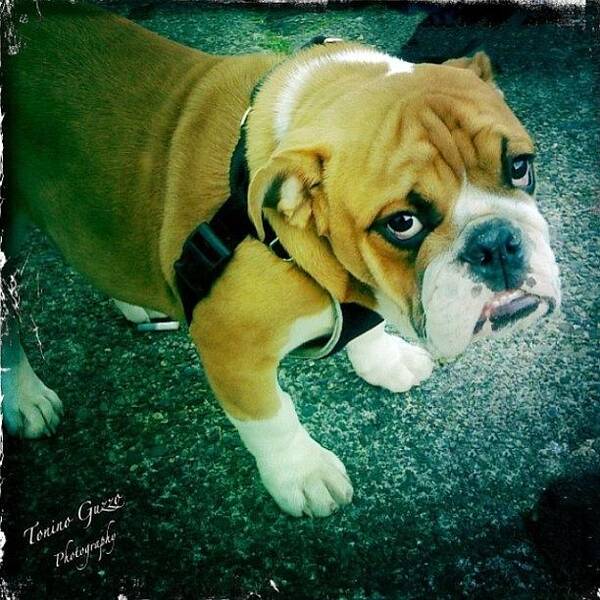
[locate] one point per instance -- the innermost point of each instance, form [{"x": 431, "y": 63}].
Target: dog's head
[{"x": 417, "y": 179}]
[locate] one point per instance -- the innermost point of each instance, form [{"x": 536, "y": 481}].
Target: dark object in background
[
  {"x": 141, "y": 11},
  {"x": 565, "y": 529},
  {"x": 441, "y": 18}
]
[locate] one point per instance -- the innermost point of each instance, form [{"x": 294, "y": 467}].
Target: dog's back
[{"x": 65, "y": 151}]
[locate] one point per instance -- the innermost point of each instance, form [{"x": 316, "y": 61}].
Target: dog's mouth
[{"x": 506, "y": 308}]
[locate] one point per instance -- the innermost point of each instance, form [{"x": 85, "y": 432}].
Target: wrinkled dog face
[
  {"x": 421, "y": 180},
  {"x": 461, "y": 251}
]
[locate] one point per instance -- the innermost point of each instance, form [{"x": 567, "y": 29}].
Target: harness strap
[{"x": 209, "y": 248}]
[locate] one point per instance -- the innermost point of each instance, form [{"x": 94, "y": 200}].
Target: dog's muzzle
[{"x": 501, "y": 276}]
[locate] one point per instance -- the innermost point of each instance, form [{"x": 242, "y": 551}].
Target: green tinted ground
[{"x": 442, "y": 473}]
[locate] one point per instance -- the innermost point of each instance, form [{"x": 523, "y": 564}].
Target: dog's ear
[
  {"x": 289, "y": 183},
  {"x": 479, "y": 63}
]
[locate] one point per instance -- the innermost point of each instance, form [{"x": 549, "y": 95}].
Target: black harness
[{"x": 209, "y": 248}]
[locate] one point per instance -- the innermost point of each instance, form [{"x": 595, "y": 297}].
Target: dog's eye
[
  {"x": 404, "y": 225},
  {"x": 402, "y": 229},
  {"x": 521, "y": 173}
]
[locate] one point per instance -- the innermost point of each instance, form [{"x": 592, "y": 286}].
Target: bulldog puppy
[{"x": 407, "y": 189}]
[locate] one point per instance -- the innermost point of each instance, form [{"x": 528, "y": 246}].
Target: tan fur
[
  {"x": 241, "y": 349},
  {"x": 120, "y": 145}
]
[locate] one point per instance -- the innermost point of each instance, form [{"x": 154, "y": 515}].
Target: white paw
[
  {"x": 137, "y": 314},
  {"x": 30, "y": 409},
  {"x": 306, "y": 478},
  {"x": 388, "y": 361}
]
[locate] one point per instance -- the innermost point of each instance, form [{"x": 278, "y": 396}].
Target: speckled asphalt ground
[{"x": 442, "y": 474}]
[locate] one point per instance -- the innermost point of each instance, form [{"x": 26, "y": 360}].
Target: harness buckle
[{"x": 204, "y": 249}]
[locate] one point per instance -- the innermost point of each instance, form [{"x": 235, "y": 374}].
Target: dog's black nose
[{"x": 494, "y": 251}]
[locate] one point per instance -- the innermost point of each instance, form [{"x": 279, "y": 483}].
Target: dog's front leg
[
  {"x": 301, "y": 475},
  {"x": 241, "y": 332}
]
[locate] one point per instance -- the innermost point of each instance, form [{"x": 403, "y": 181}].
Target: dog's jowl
[{"x": 274, "y": 203}]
